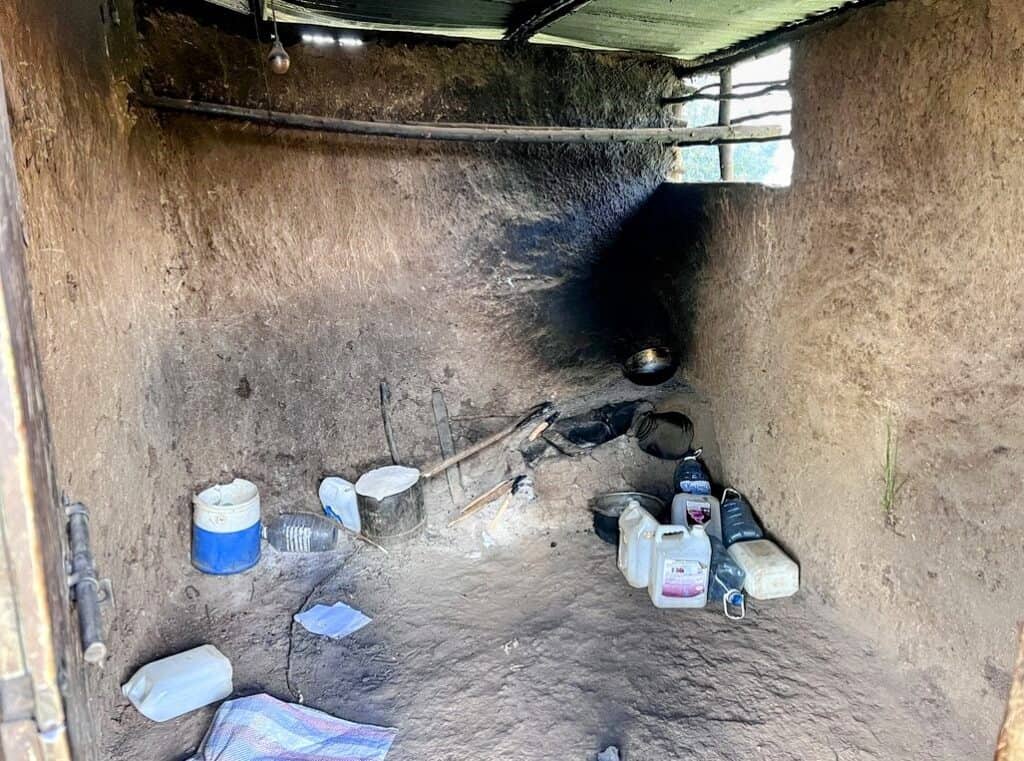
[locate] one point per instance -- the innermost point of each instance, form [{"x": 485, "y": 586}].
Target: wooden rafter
[{"x": 540, "y": 18}]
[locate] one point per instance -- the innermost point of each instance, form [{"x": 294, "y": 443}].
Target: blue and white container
[
  {"x": 338, "y": 497},
  {"x": 738, "y": 521},
  {"x": 691, "y": 476},
  {"x": 226, "y": 528}
]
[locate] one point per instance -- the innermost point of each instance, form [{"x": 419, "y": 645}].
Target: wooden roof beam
[{"x": 523, "y": 29}]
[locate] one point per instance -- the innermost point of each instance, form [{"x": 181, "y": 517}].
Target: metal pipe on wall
[{"x": 86, "y": 586}]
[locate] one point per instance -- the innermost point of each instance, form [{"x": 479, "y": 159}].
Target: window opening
[{"x": 756, "y": 91}]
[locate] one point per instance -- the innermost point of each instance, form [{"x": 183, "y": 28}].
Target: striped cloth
[{"x": 262, "y": 728}]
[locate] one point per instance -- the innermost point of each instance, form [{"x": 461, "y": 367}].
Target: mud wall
[
  {"x": 884, "y": 290},
  {"x": 212, "y": 299}
]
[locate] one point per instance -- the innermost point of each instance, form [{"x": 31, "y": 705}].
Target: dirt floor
[
  {"x": 540, "y": 650},
  {"x": 522, "y": 640}
]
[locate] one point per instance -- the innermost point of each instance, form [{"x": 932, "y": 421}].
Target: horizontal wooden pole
[
  {"x": 477, "y": 133},
  {"x": 700, "y": 95}
]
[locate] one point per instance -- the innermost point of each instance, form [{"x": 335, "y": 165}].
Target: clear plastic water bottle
[{"x": 303, "y": 532}]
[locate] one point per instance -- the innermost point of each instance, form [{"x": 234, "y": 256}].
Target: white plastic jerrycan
[
  {"x": 770, "y": 572},
  {"x": 636, "y": 537},
  {"x": 698, "y": 510},
  {"x": 680, "y": 562},
  {"x": 338, "y": 497},
  {"x": 180, "y": 683}
]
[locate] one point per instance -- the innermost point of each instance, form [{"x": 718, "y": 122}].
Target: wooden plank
[
  {"x": 32, "y": 523},
  {"x": 475, "y": 133},
  {"x": 447, "y": 443},
  {"x": 552, "y": 11},
  {"x": 1010, "y": 743}
]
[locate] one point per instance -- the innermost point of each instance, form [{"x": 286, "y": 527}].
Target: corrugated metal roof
[
  {"x": 475, "y": 19},
  {"x": 686, "y": 29},
  {"x": 681, "y": 28}
]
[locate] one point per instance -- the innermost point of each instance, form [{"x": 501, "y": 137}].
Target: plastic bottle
[
  {"x": 180, "y": 683},
  {"x": 338, "y": 497},
  {"x": 680, "y": 562},
  {"x": 697, "y": 510},
  {"x": 636, "y": 536},
  {"x": 770, "y": 572},
  {"x": 303, "y": 532},
  {"x": 725, "y": 581},
  {"x": 738, "y": 521},
  {"x": 691, "y": 476}
]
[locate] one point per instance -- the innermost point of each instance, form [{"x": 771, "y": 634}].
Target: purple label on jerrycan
[{"x": 683, "y": 578}]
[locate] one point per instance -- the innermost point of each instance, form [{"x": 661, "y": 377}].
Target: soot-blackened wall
[{"x": 212, "y": 299}]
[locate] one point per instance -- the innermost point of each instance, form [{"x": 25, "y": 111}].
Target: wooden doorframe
[{"x": 39, "y": 666}]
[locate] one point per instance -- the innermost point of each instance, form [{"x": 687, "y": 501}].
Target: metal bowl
[
  {"x": 608, "y": 507},
  {"x": 614, "y": 503},
  {"x": 650, "y": 366}
]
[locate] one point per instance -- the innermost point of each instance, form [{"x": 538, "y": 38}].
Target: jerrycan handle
[
  {"x": 725, "y": 493},
  {"x": 734, "y": 604},
  {"x": 663, "y": 530}
]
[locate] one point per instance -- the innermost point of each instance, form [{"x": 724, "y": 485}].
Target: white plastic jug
[
  {"x": 697, "y": 510},
  {"x": 680, "y": 561},
  {"x": 175, "y": 685},
  {"x": 338, "y": 497},
  {"x": 770, "y": 573},
  {"x": 636, "y": 535}
]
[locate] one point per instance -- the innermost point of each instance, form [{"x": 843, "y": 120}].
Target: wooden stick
[
  {"x": 504, "y": 504},
  {"x": 730, "y": 96},
  {"x": 1010, "y": 745},
  {"x": 385, "y": 413},
  {"x": 478, "y": 504},
  {"x": 541, "y": 427},
  {"x": 762, "y": 115},
  {"x": 494, "y": 438},
  {"x": 361, "y": 537},
  {"x": 724, "y": 118},
  {"x": 716, "y": 85},
  {"x": 548, "y": 14},
  {"x": 487, "y": 496},
  {"x": 474, "y": 133},
  {"x": 465, "y": 454}
]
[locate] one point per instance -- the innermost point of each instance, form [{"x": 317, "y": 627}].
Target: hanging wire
[
  {"x": 259, "y": 56},
  {"x": 273, "y": 17},
  {"x": 278, "y": 59}
]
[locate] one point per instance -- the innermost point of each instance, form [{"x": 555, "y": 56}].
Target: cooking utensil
[
  {"x": 607, "y": 508},
  {"x": 650, "y": 366}
]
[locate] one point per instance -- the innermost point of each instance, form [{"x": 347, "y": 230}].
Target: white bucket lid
[
  {"x": 384, "y": 482},
  {"x": 224, "y": 508}
]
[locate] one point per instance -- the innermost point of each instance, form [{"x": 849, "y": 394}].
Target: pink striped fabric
[{"x": 262, "y": 728}]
